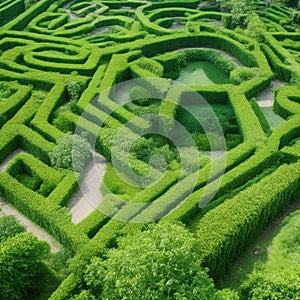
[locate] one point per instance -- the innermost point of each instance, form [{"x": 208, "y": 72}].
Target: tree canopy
[
  {"x": 159, "y": 263},
  {"x": 20, "y": 265}
]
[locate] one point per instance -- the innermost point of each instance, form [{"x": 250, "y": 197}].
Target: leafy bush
[
  {"x": 71, "y": 152},
  {"x": 74, "y": 89},
  {"x": 29, "y": 3},
  {"x": 256, "y": 29},
  {"x": 161, "y": 263},
  {"x": 242, "y": 74},
  {"x": 282, "y": 286},
  {"x": 9, "y": 227},
  {"x": 20, "y": 265}
]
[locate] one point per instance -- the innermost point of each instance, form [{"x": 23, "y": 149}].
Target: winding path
[
  {"x": 88, "y": 196},
  {"x": 266, "y": 98}
]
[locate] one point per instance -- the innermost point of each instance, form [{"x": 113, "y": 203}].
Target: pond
[{"x": 201, "y": 73}]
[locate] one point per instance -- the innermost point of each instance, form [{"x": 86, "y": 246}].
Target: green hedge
[
  {"x": 225, "y": 231},
  {"x": 249, "y": 124},
  {"x": 238, "y": 49},
  {"x": 261, "y": 117},
  {"x": 20, "y": 136},
  {"x": 21, "y": 21},
  {"x": 9, "y": 106},
  {"x": 9, "y": 9},
  {"x": 284, "y": 134},
  {"x": 231, "y": 180},
  {"x": 54, "y": 219},
  {"x": 283, "y": 105},
  {"x": 49, "y": 177},
  {"x": 145, "y": 67}
]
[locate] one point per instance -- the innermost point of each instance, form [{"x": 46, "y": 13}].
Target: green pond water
[{"x": 202, "y": 73}]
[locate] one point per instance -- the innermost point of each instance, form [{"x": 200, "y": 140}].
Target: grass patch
[{"x": 200, "y": 73}]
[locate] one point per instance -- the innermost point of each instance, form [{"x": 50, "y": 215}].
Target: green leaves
[
  {"x": 71, "y": 152},
  {"x": 19, "y": 265},
  {"x": 159, "y": 263},
  {"x": 9, "y": 227}
]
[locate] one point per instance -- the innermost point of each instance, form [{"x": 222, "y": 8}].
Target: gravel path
[
  {"x": 266, "y": 98},
  {"x": 88, "y": 196},
  {"x": 40, "y": 233}
]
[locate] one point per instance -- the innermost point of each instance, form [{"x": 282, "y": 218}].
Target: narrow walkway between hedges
[
  {"x": 88, "y": 196},
  {"x": 4, "y": 164},
  {"x": 266, "y": 97},
  {"x": 40, "y": 233}
]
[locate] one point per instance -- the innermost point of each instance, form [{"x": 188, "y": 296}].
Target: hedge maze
[{"x": 94, "y": 45}]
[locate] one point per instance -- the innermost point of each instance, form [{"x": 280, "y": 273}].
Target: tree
[
  {"x": 9, "y": 227},
  {"x": 71, "y": 152},
  {"x": 256, "y": 29},
  {"x": 20, "y": 265},
  {"x": 159, "y": 263},
  {"x": 74, "y": 89},
  {"x": 239, "y": 10}
]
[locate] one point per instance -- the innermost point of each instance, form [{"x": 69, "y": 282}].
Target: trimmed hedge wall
[
  {"x": 224, "y": 232},
  {"x": 9, "y": 9},
  {"x": 54, "y": 220}
]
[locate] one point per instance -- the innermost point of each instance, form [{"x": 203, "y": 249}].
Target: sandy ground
[
  {"x": 266, "y": 98},
  {"x": 88, "y": 196}
]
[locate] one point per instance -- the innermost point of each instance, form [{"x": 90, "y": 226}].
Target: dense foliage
[
  {"x": 20, "y": 266},
  {"x": 159, "y": 263},
  {"x": 9, "y": 227},
  {"x": 71, "y": 152}
]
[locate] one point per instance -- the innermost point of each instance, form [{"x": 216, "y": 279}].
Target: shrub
[
  {"x": 166, "y": 267},
  {"x": 285, "y": 285},
  {"x": 256, "y": 29},
  {"x": 242, "y": 74},
  {"x": 71, "y": 152},
  {"x": 9, "y": 227},
  {"x": 20, "y": 265},
  {"x": 74, "y": 89}
]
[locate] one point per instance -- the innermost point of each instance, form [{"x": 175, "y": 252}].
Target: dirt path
[
  {"x": 266, "y": 98},
  {"x": 41, "y": 234},
  {"x": 4, "y": 164},
  {"x": 88, "y": 197}
]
